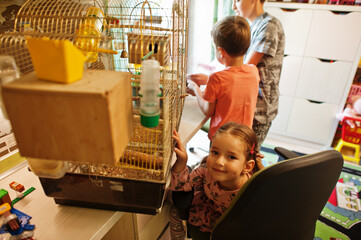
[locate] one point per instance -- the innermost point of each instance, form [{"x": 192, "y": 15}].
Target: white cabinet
[
  {"x": 291, "y": 69},
  {"x": 322, "y": 51},
  {"x": 334, "y": 35},
  {"x": 323, "y": 81},
  {"x": 310, "y": 120},
  {"x": 285, "y": 106},
  {"x": 296, "y": 24}
]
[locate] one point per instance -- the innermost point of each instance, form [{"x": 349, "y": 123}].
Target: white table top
[
  {"x": 54, "y": 221},
  {"x": 192, "y": 119}
]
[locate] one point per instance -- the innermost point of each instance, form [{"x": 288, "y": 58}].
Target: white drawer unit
[
  {"x": 296, "y": 24},
  {"x": 279, "y": 124},
  {"x": 334, "y": 35},
  {"x": 311, "y": 121},
  {"x": 290, "y": 74},
  {"x": 322, "y": 51},
  {"x": 323, "y": 81}
]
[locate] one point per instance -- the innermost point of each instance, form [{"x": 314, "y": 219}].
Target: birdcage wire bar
[{"x": 128, "y": 28}]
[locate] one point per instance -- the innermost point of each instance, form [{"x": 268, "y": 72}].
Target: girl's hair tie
[{"x": 252, "y": 150}]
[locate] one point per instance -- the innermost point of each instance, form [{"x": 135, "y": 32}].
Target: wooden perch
[{"x": 143, "y": 159}]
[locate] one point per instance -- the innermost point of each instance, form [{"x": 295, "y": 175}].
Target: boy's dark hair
[{"x": 233, "y": 34}]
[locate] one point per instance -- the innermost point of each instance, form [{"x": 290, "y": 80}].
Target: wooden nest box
[{"x": 87, "y": 121}]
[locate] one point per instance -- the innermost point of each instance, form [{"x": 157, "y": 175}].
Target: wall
[{"x": 199, "y": 37}]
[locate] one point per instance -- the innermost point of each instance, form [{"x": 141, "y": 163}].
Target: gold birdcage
[{"x": 117, "y": 35}]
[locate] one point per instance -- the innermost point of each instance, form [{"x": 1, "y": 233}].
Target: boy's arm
[
  {"x": 254, "y": 57},
  {"x": 206, "y": 107},
  {"x": 199, "y": 78}
]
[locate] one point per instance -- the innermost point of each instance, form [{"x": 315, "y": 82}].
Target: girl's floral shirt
[{"x": 209, "y": 201}]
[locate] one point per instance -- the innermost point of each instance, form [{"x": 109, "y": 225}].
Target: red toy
[
  {"x": 351, "y": 138},
  {"x": 17, "y": 186}
]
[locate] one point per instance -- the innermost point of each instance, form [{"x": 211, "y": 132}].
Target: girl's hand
[
  {"x": 179, "y": 149},
  {"x": 181, "y": 153}
]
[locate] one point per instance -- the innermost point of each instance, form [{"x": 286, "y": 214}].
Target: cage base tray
[
  {"x": 105, "y": 193},
  {"x": 102, "y": 206}
]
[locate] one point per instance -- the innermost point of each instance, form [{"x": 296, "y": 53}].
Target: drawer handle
[
  {"x": 288, "y": 10},
  {"x": 327, "y": 60},
  {"x": 340, "y": 12},
  {"x": 313, "y": 101}
]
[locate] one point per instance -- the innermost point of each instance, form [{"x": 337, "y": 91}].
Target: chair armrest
[
  {"x": 182, "y": 201},
  {"x": 285, "y": 153}
]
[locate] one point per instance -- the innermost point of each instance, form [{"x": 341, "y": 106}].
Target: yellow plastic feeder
[{"x": 56, "y": 60}]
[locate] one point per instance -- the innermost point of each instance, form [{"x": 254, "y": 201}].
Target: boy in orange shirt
[{"x": 230, "y": 94}]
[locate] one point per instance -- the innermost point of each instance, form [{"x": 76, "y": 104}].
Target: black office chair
[
  {"x": 285, "y": 153},
  {"x": 282, "y": 201}
]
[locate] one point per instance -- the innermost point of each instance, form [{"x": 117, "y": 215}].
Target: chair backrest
[
  {"x": 351, "y": 132},
  {"x": 282, "y": 201}
]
